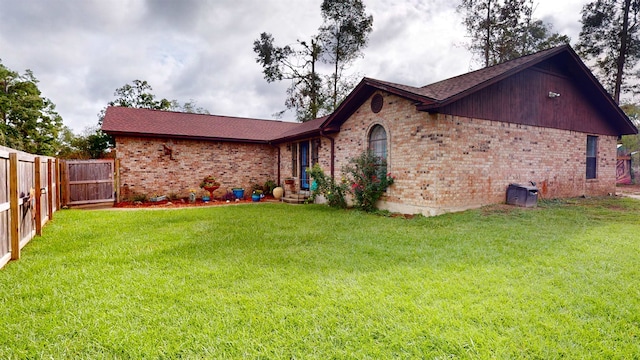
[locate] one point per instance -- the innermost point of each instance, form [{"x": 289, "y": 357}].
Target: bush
[
  {"x": 327, "y": 187},
  {"x": 369, "y": 179},
  {"x": 268, "y": 187}
]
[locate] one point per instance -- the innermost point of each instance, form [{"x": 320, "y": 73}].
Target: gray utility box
[{"x": 522, "y": 195}]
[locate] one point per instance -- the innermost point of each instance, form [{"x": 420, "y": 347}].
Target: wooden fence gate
[{"x": 88, "y": 181}]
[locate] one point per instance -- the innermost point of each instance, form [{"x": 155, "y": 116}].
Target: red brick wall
[
  {"x": 146, "y": 169},
  {"x": 447, "y": 163}
]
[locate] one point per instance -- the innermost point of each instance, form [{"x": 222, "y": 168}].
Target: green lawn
[{"x": 276, "y": 281}]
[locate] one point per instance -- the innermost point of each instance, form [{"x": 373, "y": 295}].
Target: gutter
[{"x": 277, "y": 147}]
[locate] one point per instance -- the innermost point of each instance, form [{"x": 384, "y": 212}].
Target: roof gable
[{"x": 442, "y": 93}]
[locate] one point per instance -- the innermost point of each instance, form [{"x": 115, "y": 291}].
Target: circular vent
[{"x": 376, "y": 103}]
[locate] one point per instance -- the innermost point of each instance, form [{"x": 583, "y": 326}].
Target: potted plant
[
  {"x": 238, "y": 192},
  {"x": 210, "y": 184},
  {"x": 257, "y": 195}
]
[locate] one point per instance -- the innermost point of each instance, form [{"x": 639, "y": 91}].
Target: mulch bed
[{"x": 181, "y": 203}]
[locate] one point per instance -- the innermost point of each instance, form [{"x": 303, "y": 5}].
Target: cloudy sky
[{"x": 201, "y": 50}]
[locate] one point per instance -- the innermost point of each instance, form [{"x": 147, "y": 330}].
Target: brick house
[{"x": 452, "y": 145}]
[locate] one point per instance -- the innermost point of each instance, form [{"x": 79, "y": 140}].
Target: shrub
[
  {"x": 268, "y": 187},
  {"x": 327, "y": 187},
  {"x": 369, "y": 179}
]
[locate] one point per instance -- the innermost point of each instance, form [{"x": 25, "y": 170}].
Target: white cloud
[{"x": 201, "y": 50}]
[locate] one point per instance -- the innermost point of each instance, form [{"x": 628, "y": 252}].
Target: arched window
[{"x": 378, "y": 141}]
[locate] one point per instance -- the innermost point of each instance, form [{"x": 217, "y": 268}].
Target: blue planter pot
[
  {"x": 255, "y": 197},
  {"x": 206, "y": 198},
  {"x": 238, "y": 193}
]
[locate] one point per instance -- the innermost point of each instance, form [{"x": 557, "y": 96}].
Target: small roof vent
[{"x": 376, "y": 103}]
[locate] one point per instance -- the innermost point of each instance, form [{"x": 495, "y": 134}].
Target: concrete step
[{"x": 297, "y": 198}]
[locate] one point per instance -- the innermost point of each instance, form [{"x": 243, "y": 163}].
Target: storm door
[{"x": 304, "y": 164}]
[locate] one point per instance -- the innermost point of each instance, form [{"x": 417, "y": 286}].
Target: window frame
[
  {"x": 372, "y": 142},
  {"x": 591, "y": 163}
]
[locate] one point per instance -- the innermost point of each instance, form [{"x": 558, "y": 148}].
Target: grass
[{"x": 274, "y": 281}]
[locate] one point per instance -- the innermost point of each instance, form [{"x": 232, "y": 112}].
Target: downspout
[{"x": 332, "y": 165}]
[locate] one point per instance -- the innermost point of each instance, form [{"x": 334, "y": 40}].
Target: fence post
[
  {"x": 38, "y": 194},
  {"x": 50, "y": 188},
  {"x": 116, "y": 181},
  {"x": 65, "y": 186},
  {"x": 58, "y": 186},
  {"x": 13, "y": 203}
]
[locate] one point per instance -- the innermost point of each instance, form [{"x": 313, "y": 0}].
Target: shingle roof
[
  {"x": 305, "y": 128},
  {"x": 145, "y": 122},
  {"x": 457, "y": 85}
]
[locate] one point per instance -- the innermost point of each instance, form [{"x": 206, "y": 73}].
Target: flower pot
[
  {"x": 238, "y": 193},
  {"x": 255, "y": 197},
  {"x": 206, "y": 198},
  {"x": 278, "y": 192}
]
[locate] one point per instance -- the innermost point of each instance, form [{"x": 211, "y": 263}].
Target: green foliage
[
  {"x": 340, "y": 40},
  {"x": 326, "y": 186},
  {"x": 369, "y": 179},
  {"x": 505, "y": 30},
  {"x": 610, "y": 35},
  {"x": 344, "y": 33},
  {"x": 28, "y": 121},
  {"x": 139, "y": 95},
  {"x": 311, "y": 282},
  {"x": 268, "y": 186}
]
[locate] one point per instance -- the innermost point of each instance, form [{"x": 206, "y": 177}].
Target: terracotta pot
[
  {"x": 211, "y": 189},
  {"x": 278, "y": 192}
]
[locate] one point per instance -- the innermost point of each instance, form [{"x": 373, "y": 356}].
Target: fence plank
[
  {"x": 50, "y": 188},
  {"x": 38, "y": 196},
  {"x": 13, "y": 196},
  {"x": 5, "y": 207}
]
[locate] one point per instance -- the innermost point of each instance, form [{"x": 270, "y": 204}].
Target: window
[
  {"x": 378, "y": 141},
  {"x": 592, "y": 153},
  {"x": 294, "y": 159},
  {"x": 315, "y": 151}
]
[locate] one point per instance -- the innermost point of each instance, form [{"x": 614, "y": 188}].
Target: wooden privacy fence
[{"x": 29, "y": 196}]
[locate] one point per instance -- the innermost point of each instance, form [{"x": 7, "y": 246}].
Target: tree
[
  {"x": 502, "y": 30},
  {"x": 344, "y": 33},
  {"x": 299, "y": 66},
  {"x": 139, "y": 96},
  {"x": 28, "y": 121},
  {"x": 339, "y": 42},
  {"x": 631, "y": 142},
  {"x": 610, "y": 36}
]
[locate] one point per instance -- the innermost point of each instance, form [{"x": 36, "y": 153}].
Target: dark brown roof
[
  {"x": 305, "y": 129},
  {"x": 145, "y": 122},
  {"x": 459, "y": 85}
]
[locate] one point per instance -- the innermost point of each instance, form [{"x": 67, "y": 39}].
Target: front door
[{"x": 304, "y": 164}]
